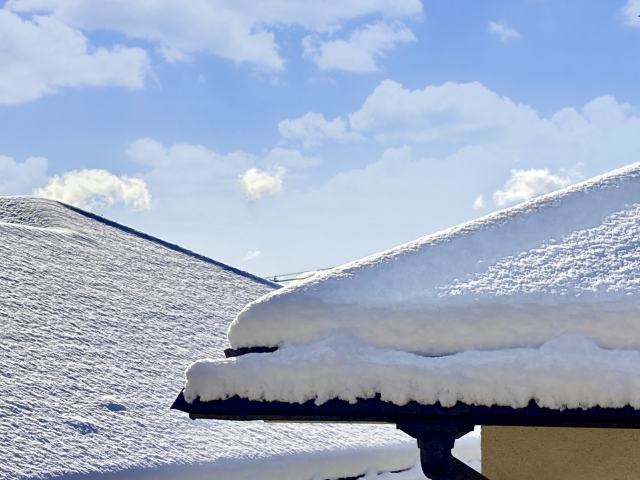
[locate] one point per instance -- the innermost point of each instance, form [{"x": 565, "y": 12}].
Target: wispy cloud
[
  {"x": 503, "y": 31},
  {"x": 251, "y": 255},
  {"x": 361, "y": 51},
  {"x": 312, "y": 129},
  {"x": 631, "y": 12},
  {"x": 21, "y": 177}
]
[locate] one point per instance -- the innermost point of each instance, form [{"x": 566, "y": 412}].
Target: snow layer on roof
[
  {"x": 568, "y": 262},
  {"x": 98, "y": 322},
  {"x": 570, "y": 371}
]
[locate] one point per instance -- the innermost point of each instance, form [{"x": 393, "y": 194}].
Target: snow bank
[
  {"x": 466, "y": 449},
  {"x": 568, "y": 262},
  {"x": 567, "y": 372},
  {"x": 97, "y": 325},
  {"x": 313, "y": 465}
]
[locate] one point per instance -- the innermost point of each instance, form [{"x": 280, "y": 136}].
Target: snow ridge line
[{"x": 170, "y": 246}]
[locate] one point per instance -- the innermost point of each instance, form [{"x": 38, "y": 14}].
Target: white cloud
[
  {"x": 526, "y": 184},
  {"x": 96, "y": 189},
  {"x": 631, "y": 12},
  {"x": 20, "y": 178},
  {"x": 478, "y": 203},
  {"x": 90, "y": 189},
  {"x": 503, "y": 31},
  {"x": 453, "y": 112},
  {"x": 188, "y": 170},
  {"x": 290, "y": 158},
  {"x": 379, "y": 195},
  {"x": 42, "y": 55},
  {"x": 237, "y": 30},
  {"x": 194, "y": 171},
  {"x": 259, "y": 183},
  {"x": 183, "y": 157},
  {"x": 312, "y": 129},
  {"x": 147, "y": 151},
  {"x": 251, "y": 255},
  {"x": 372, "y": 205},
  {"x": 361, "y": 51}
]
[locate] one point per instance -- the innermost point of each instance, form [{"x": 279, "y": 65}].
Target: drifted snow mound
[
  {"x": 568, "y": 262},
  {"x": 567, "y": 372},
  {"x": 96, "y": 325}
]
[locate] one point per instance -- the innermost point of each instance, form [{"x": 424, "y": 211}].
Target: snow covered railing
[{"x": 435, "y": 427}]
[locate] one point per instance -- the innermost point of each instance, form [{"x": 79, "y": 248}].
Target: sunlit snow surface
[
  {"x": 537, "y": 302},
  {"x": 98, "y": 326},
  {"x": 568, "y": 262},
  {"x": 566, "y": 372}
]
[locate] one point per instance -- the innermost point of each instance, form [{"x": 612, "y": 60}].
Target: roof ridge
[{"x": 164, "y": 243}]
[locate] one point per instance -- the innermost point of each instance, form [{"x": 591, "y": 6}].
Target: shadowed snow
[{"x": 98, "y": 324}]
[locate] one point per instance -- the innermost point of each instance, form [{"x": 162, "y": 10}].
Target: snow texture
[
  {"x": 537, "y": 302},
  {"x": 566, "y": 372},
  {"x": 567, "y": 262},
  {"x": 98, "y": 322}
]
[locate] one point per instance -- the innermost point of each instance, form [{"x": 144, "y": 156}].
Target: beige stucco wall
[{"x": 523, "y": 453}]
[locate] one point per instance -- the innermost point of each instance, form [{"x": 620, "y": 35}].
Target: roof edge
[
  {"x": 491, "y": 217},
  {"x": 168, "y": 245}
]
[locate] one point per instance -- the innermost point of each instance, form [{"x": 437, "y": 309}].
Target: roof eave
[{"x": 375, "y": 410}]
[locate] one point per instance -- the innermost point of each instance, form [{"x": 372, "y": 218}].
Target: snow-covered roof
[
  {"x": 565, "y": 262},
  {"x": 540, "y": 301},
  {"x": 98, "y": 324}
]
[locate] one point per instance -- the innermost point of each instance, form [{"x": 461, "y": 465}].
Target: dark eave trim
[
  {"x": 236, "y": 352},
  {"x": 375, "y": 410}
]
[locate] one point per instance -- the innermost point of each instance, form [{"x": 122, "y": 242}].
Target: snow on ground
[
  {"x": 568, "y": 262},
  {"x": 540, "y": 301},
  {"x": 98, "y": 324},
  {"x": 466, "y": 449}
]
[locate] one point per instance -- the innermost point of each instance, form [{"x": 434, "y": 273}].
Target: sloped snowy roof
[
  {"x": 561, "y": 263},
  {"x": 98, "y": 323},
  {"x": 537, "y": 302}
]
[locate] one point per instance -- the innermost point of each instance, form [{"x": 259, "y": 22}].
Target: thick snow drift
[
  {"x": 566, "y": 372},
  {"x": 98, "y": 323},
  {"x": 568, "y": 262},
  {"x": 540, "y": 301}
]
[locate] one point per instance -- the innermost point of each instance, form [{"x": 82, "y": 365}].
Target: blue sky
[{"x": 281, "y": 136}]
